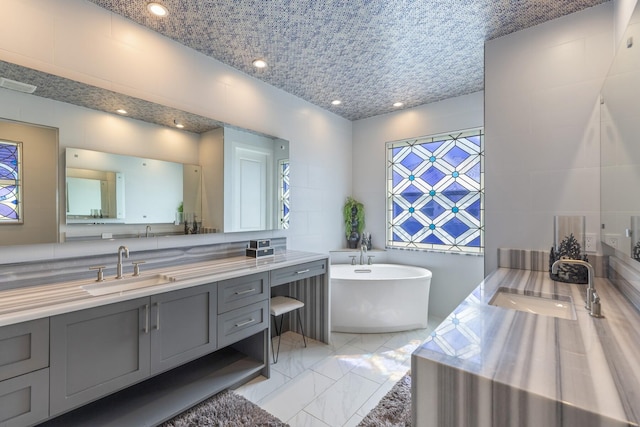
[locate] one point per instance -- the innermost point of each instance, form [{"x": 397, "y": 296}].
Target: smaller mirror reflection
[{"x": 105, "y": 188}]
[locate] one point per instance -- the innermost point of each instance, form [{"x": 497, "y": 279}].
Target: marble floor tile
[
  {"x": 354, "y": 420},
  {"x": 260, "y": 386},
  {"x": 336, "y": 365},
  {"x": 289, "y": 399},
  {"x": 383, "y": 365},
  {"x": 370, "y": 342},
  {"x": 304, "y": 419},
  {"x": 341, "y": 401},
  {"x": 338, "y": 339},
  {"x": 337, "y": 384},
  {"x": 297, "y": 359}
]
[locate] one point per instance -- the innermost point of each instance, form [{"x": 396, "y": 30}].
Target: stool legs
[
  {"x": 279, "y": 334},
  {"x": 301, "y": 329}
]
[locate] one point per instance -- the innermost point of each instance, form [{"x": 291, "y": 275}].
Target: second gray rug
[{"x": 394, "y": 410}]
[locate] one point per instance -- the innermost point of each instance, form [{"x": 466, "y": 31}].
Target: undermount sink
[
  {"x": 113, "y": 285},
  {"x": 560, "y": 306}
]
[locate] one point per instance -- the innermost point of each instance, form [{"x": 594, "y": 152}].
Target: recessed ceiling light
[
  {"x": 259, "y": 63},
  {"x": 157, "y": 9},
  {"x": 398, "y": 104},
  {"x": 178, "y": 124},
  {"x": 336, "y": 102},
  {"x": 121, "y": 111}
]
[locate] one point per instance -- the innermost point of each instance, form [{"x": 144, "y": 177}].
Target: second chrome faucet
[
  {"x": 592, "y": 299},
  {"x": 122, "y": 250}
]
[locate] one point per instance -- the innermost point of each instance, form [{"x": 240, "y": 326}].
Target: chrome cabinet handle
[
  {"x": 238, "y": 325},
  {"x": 302, "y": 271},
  {"x": 158, "y": 316},
  {"x": 146, "y": 318},
  {"x": 245, "y": 292}
]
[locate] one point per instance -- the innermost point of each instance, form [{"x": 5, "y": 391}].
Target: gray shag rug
[
  {"x": 226, "y": 409},
  {"x": 394, "y": 409}
]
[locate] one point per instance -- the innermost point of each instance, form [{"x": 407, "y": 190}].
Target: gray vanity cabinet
[
  {"x": 24, "y": 376},
  {"x": 97, "y": 351},
  {"x": 183, "y": 326}
]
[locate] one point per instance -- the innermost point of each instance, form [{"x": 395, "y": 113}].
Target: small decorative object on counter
[
  {"x": 567, "y": 246},
  {"x": 633, "y": 233},
  {"x": 259, "y": 248},
  {"x": 366, "y": 240}
]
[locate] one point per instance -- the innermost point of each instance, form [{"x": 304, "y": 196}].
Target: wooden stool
[{"x": 279, "y": 307}]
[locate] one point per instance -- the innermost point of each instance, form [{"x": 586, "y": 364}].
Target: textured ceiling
[
  {"x": 367, "y": 53},
  {"x": 73, "y": 92}
]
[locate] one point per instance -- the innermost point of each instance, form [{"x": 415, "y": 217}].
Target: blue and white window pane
[
  {"x": 435, "y": 193},
  {"x": 10, "y": 182},
  {"x": 284, "y": 194}
]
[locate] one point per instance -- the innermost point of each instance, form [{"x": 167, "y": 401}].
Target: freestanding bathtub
[{"x": 379, "y": 297}]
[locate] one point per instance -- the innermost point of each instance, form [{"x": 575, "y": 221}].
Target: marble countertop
[
  {"x": 587, "y": 363},
  {"x": 34, "y": 302}
]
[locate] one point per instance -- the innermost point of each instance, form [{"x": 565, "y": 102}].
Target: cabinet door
[
  {"x": 24, "y": 400},
  {"x": 24, "y": 347},
  {"x": 97, "y": 351},
  {"x": 183, "y": 326}
]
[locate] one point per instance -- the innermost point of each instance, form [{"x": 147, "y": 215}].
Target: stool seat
[{"x": 282, "y": 305}]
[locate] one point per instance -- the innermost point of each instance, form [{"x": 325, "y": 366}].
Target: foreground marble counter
[
  {"x": 34, "y": 302},
  {"x": 492, "y": 366}
]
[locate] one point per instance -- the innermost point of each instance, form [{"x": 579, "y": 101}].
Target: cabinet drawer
[
  {"x": 298, "y": 272},
  {"x": 25, "y": 348},
  {"x": 24, "y": 400},
  {"x": 242, "y": 291},
  {"x": 242, "y": 323}
]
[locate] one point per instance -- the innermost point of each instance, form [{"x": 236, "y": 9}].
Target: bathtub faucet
[{"x": 363, "y": 251}]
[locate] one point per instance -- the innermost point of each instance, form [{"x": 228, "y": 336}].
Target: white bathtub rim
[{"x": 353, "y": 274}]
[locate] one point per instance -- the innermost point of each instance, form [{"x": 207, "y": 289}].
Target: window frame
[{"x": 399, "y": 209}]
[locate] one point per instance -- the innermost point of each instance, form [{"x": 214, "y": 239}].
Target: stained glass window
[
  {"x": 435, "y": 193},
  {"x": 10, "y": 182},
  {"x": 284, "y": 194}
]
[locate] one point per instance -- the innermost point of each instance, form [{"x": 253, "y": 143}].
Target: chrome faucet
[
  {"x": 593, "y": 301},
  {"x": 147, "y": 230},
  {"x": 121, "y": 250},
  {"x": 363, "y": 251}
]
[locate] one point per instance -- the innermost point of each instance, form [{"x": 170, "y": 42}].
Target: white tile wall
[{"x": 542, "y": 128}]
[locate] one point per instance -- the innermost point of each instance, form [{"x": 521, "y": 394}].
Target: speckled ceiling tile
[{"x": 369, "y": 54}]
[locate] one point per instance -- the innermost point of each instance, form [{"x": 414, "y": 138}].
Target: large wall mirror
[
  {"x": 620, "y": 149},
  {"x": 239, "y": 180}
]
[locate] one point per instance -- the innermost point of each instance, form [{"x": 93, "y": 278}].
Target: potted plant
[{"x": 353, "y": 214}]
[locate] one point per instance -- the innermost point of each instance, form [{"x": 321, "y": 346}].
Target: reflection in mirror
[
  {"x": 255, "y": 181},
  {"x": 620, "y": 152},
  {"x": 94, "y": 194},
  {"x": 204, "y": 133},
  {"x": 104, "y": 188}
]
